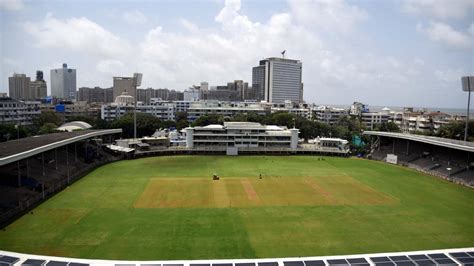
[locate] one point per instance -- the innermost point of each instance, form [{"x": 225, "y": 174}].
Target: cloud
[
  {"x": 328, "y": 15},
  {"x": 188, "y": 25},
  {"x": 113, "y": 67},
  {"x": 449, "y": 75},
  {"x": 229, "y": 12},
  {"x": 11, "y": 62},
  {"x": 334, "y": 70},
  {"x": 440, "y": 16},
  {"x": 135, "y": 17},
  {"x": 77, "y": 34},
  {"x": 440, "y": 9},
  {"x": 445, "y": 34},
  {"x": 471, "y": 29},
  {"x": 11, "y": 5},
  {"x": 230, "y": 52}
]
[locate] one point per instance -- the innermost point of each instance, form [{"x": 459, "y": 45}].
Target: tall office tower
[
  {"x": 124, "y": 84},
  {"x": 258, "y": 81},
  {"x": 38, "y": 88},
  {"x": 241, "y": 87},
  {"x": 63, "y": 83},
  {"x": 19, "y": 87},
  {"x": 281, "y": 79}
]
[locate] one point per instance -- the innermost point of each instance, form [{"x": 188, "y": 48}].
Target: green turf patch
[{"x": 304, "y": 207}]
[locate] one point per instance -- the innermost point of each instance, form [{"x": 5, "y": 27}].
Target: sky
[{"x": 379, "y": 52}]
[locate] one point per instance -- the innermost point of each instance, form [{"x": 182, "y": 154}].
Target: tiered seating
[
  {"x": 408, "y": 158},
  {"x": 467, "y": 176},
  {"x": 424, "y": 163},
  {"x": 38, "y": 179},
  {"x": 443, "y": 169},
  {"x": 430, "y": 159}
]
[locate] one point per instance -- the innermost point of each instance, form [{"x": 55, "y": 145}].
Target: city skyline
[{"x": 392, "y": 53}]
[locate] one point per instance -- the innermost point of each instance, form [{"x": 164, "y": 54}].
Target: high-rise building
[
  {"x": 192, "y": 95},
  {"x": 124, "y": 84},
  {"x": 162, "y": 94},
  {"x": 204, "y": 86},
  {"x": 236, "y": 90},
  {"x": 258, "y": 82},
  {"x": 95, "y": 95},
  {"x": 281, "y": 79},
  {"x": 175, "y": 95},
  {"x": 19, "y": 86},
  {"x": 38, "y": 88},
  {"x": 63, "y": 83},
  {"x": 241, "y": 87}
]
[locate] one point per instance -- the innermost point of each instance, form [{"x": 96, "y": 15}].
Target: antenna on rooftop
[{"x": 283, "y": 53}]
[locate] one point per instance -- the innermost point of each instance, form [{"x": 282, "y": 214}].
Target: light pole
[
  {"x": 137, "y": 81},
  {"x": 17, "y": 127},
  {"x": 467, "y": 85},
  {"x": 135, "y": 111}
]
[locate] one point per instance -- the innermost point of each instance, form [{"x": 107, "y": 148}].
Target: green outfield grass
[{"x": 169, "y": 208}]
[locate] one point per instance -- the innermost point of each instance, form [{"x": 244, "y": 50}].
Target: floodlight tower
[
  {"x": 467, "y": 85},
  {"x": 137, "y": 81}
]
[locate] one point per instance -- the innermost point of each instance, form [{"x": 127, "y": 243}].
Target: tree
[
  {"x": 282, "y": 119},
  {"x": 254, "y": 117},
  {"x": 240, "y": 118},
  {"x": 47, "y": 117},
  {"x": 388, "y": 127},
  {"x": 352, "y": 123},
  {"x": 311, "y": 129},
  {"x": 342, "y": 132},
  {"x": 208, "y": 119},
  {"x": 102, "y": 124},
  {"x": 181, "y": 120},
  {"x": 168, "y": 124},
  {"x": 10, "y": 132},
  {"x": 47, "y": 128},
  {"x": 181, "y": 116},
  {"x": 147, "y": 124},
  {"x": 423, "y": 133},
  {"x": 455, "y": 130}
]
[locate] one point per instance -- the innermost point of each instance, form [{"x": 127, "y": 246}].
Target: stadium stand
[
  {"x": 445, "y": 158},
  {"x": 446, "y": 257},
  {"x": 34, "y": 168}
]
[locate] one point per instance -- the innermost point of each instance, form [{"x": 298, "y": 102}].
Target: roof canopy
[
  {"x": 14, "y": 150},
  {"x": 449, "y": 143}
]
